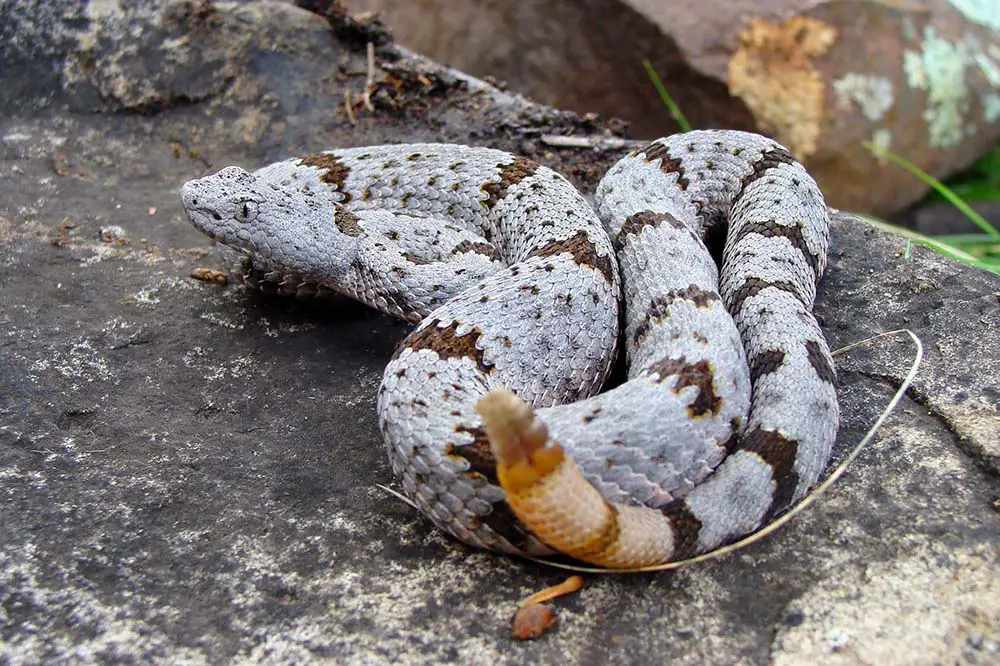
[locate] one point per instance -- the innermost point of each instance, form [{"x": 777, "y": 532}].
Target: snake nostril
[{"x": 216, "y": 216}]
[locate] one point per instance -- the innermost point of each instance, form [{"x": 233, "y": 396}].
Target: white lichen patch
[
  {"x": 990, "y": 101},
  {"x": 30, "y": 478},
  {"x": 872, "y": 94},
  {"x": 941, "y": 67},
  {"x": 65, "y": 450},
  {"x": 149, "y": 297},
  {"x": 103, "y": 252},
  {"x": 16, "y": 137},
  {"x": 272, "y": 331},
  {"x": 219, "y": 320},
  {"x": 989, "y": 67},
  {"x": 80, "y": 362},
  {"x": 937, "y": 605},
  {"x": 984, "y": 12},
  {"x": 882, "y": 139},
  {"x": 101, "y": 632},
  {"x": 360, "y": 393},
  {"x": 394, "y": 603},
  {"x": 204, "y": 361}
]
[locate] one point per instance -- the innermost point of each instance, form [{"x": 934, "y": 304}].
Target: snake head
[{"x": 284, "y": 226}]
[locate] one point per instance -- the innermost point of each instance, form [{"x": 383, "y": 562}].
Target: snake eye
[{"x": 246, "y": 211}]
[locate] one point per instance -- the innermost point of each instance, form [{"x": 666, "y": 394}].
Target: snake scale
[{"x": 523, "y": 294}]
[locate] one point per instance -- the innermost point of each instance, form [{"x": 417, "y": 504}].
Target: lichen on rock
[{"x": 773, "y": 72}]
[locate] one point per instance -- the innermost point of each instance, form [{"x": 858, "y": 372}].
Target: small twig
[
  {"x": 370, "y": 76},
  {"x": 398, "y": 495},
  {"x": 568, "y": 586},
  {"x": 349, "y": 107},
  {"x": 594, "y": 142}
]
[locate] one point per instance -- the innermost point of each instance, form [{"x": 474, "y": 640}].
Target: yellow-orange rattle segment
[{"x": 549, "y": 495}]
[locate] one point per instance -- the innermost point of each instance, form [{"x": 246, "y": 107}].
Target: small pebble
[
  {"x": 531, "y": 621},
  {"x": 209, "y": 275},
  {"x": 112, "y": 234}
]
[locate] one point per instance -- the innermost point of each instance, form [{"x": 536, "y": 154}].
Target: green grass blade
[
  {"x": 675, "y": 110},
  {"x": 938, "y": 186},
  {"x": 933, "y": 243},
  {"x": 974, "y": 192},
  {"x": 972, "y": 240}
]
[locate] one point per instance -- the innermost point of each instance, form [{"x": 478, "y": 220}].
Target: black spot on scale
[
  {"x": 346, "y": 221},
  {"x": 699, "y": 375},
  {"x": 766, "y": 362},
  {"x": 336, "y": 172},
  {"x": 510, "y": 175},
  {"x": 659, "y": 307},
  {"x": 668, "y": 164},
  {"x": 768, "y": 160},
  {"x": 446, "y": 342},
  {"x": 753, "y": 286},
  {"x": 634, "y": 224},
  {"x": 583, "y": 251},
  {"x": 820, "y": 362},
  {"x": 686, "y": 528},
  {"x": 779, "y": 452},
  {"x": 774, "y": 229}
]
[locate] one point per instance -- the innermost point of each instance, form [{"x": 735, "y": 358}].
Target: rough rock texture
[
  {"x": 822, "y": 76},
  {"x": 190, "y": 474}
]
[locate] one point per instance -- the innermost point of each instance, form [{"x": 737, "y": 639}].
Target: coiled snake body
[{"x": 729, "y": 410}]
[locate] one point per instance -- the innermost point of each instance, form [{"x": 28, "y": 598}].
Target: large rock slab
[
  {"x": 190, "y": 474},
  {"x": 821, "y": 76}
]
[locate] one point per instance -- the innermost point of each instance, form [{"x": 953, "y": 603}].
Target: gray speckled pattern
[{"x": 514, "y": 281}]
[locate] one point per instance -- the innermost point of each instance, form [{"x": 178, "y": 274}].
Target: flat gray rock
[{"x": 191, "y": 474}]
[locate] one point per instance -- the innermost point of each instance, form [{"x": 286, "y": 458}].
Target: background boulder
[
  {"x": 191, "y": 474},
  {"x": 821, "y": 76}
]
